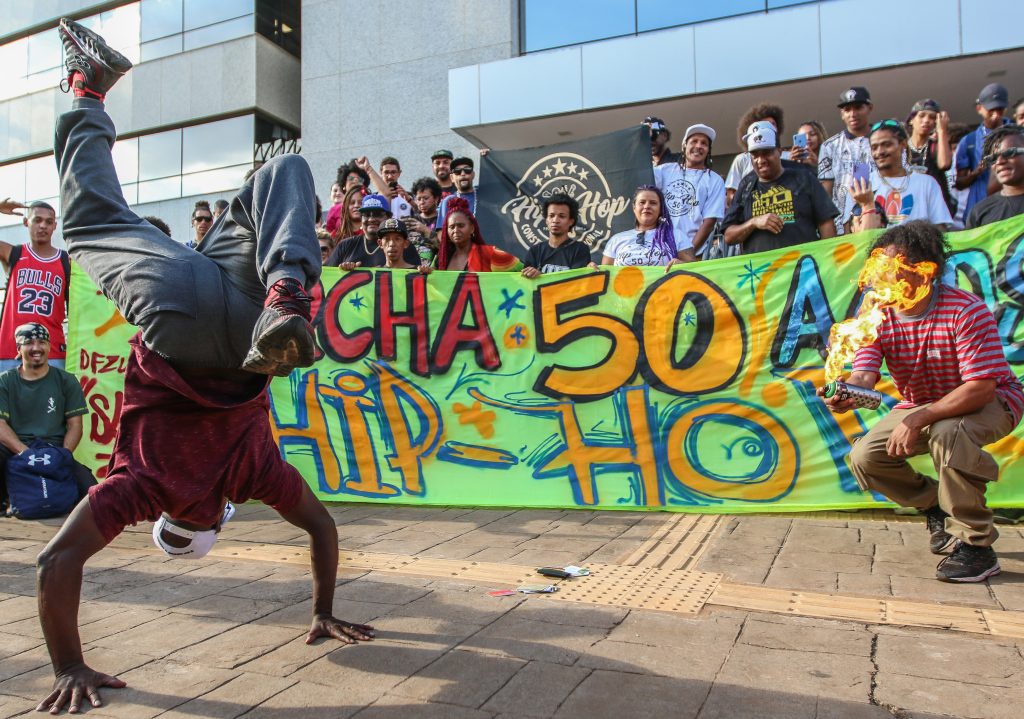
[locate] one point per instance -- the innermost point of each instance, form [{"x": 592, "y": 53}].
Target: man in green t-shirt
[{"x": 38, "y": 401}]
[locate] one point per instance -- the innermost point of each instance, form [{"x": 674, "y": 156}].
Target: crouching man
[{"x": 959, "y": 394}]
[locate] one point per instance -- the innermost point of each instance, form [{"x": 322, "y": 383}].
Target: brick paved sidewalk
[{"x": 223, "y": 637}]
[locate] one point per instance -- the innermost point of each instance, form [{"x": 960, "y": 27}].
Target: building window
[
  {"x": 196, "y": 160},
  {"x": 280, "y": 21},
  {"x": 545, "y": 24}
]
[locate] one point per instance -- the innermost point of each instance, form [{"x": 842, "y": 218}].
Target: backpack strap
[
  {"x": 12, "y": 260},
  {"x": 65, "y": 262}
]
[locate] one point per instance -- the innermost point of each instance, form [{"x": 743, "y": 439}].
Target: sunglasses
[
  {"x": 375, "y": 213},
  {"x": 324, "y": 249},
  {"x": 895, "y": 125},
  {"x": 463, "y": 171},
  {"x": 204, "y": 218},
  {"x": 1007, "y": 154}
]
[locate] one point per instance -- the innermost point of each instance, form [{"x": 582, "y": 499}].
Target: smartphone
[
  {"x": 861, "y": 171},
  {"x": 553, "y": 572},
  {"x": 800, "y": 140}
]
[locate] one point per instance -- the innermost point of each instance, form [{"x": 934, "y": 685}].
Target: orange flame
[{"x": 885, "y": 275}]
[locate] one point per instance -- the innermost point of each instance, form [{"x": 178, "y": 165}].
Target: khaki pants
[{"x": 962, "y": 466}]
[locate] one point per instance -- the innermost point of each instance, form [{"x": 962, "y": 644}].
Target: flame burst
[{"x": 884, "y": 275}]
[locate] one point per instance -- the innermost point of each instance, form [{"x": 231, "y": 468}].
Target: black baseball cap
[
  {"x": 392, "y": 225},
  {"x": 856, "y": 95},
  {"x": 927, "y": 105},
  {"x": 462, "y": 162},
  {"x": 447, "y": 154},
  {"x": 993, "y": 96}
]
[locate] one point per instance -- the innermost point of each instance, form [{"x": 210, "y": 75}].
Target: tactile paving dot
[{"x": 684, "y": 591}]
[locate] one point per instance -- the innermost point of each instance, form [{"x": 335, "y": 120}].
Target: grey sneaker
[
  {"x": 941, "y": 542},
  {"x": 968, "y": 563}
]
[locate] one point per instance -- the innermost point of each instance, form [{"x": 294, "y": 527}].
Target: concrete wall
[
  {"x": 375, "y": 77},
  {"x": 785, "y": 44}
]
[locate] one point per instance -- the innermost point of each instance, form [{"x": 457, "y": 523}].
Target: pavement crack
[
  {"x": 874, "y": 670},
  {"x": 728, "y": 655}
]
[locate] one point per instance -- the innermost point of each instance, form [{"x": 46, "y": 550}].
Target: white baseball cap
[
  {"x": 699, "y": 129},
  {"x": 761, "y": 135}
]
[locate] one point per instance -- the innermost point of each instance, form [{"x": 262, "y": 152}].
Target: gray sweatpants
[{"x": 194, "y": 307}]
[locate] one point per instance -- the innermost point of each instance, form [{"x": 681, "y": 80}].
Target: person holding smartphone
[
  {"x": 776, "y": 206},
  {"x": 900, "y": 194},
  {"x": 807, "y": 143}
]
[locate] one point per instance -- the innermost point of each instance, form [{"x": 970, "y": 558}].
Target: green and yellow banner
[{"x": 629, "y": 388}]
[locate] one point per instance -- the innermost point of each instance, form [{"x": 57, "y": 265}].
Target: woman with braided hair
[
  {"x": 652, "y": 243},
  {"x": 463, "y": 246}
]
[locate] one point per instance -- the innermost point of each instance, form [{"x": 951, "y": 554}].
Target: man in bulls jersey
[
  {"x": 37, "y": 284},
  {"x": 958, "y": 394}
]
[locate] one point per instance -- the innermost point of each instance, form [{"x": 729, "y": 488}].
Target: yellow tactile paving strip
[
  {"x": 679, "y": 543},
  {"x": 656, "y": 581}
]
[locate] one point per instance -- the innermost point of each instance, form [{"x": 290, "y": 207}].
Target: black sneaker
[
  {"x": 941, "y": 541},
  {"x": 93, "y": 66},
  {"x": 283, "y": 338},
  {"x": 968, "y": 563}
]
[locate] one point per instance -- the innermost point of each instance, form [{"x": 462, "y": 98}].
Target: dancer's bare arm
[
  {"x": 59, "y": 588},
  {"x": 309, "y": 514}
]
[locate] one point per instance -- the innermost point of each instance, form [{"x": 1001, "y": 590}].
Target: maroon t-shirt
[{"x": 184, "y": 445}]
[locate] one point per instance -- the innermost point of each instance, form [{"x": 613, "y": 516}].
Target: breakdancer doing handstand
[{"x": 195, "y": 428}]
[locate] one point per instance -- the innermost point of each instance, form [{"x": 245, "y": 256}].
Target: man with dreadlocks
[
  {"x": 959, "y": 394},
  {"x": 1004, "y": 153}
]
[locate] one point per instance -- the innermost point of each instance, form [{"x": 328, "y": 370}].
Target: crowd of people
[{"x": 777, "y": 193}]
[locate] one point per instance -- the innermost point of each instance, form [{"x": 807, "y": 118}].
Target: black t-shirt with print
[
  {"x": 354, "y": 249},
  {"x": 570, "y": 255},
  {"x": 995, "y": 208},
  {"x": 795, "y": 196}
]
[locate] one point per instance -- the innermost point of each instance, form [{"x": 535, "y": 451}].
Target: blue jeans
[{"x": 196, "y": 308}]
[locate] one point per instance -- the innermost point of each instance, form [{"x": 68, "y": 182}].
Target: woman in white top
[{"x": 652, "y": 243}]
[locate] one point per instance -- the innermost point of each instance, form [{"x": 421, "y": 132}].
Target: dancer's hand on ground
[
  {"x": 8, "y": 207},
  {"x": 74, "y": 686},
  {"x": 341, "y": 630}
]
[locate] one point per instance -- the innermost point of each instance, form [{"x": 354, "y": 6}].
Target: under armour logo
[{"x": 35, "y": 458}]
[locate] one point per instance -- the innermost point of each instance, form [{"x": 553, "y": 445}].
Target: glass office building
[{"x": 192, "y": 116}]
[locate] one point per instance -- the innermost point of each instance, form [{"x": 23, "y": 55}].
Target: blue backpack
[{"x": 40, "y": 483}]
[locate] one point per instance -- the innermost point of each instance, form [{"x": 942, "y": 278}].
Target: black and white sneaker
[
  {"x": 93, "y": 66},
  {"x": 941, "y": 542},
  {"x": 968, "y": 563}
]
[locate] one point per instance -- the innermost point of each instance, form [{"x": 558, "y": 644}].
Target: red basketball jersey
[{"x": 36, "y": 292}]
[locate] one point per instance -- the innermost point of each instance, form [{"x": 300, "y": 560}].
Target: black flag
[{"x": 601, "y": 173}]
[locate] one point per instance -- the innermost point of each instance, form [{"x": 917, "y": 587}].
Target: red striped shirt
[{"x": 930, "y": 355}]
